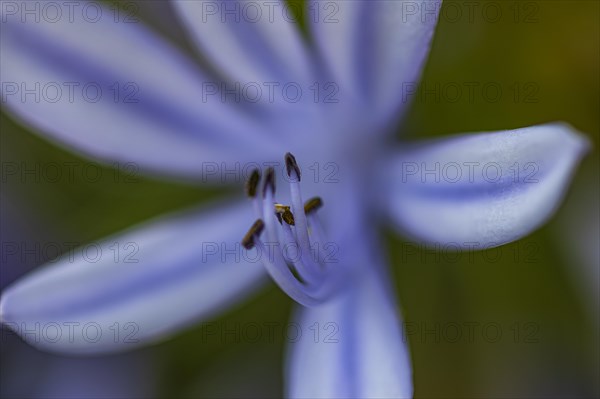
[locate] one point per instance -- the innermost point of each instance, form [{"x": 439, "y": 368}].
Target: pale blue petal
[
  {"x": 255, "y": 42},
  {"x": 374, "y": 49},
  {"x": 350, "y": 347},
  {"x": 117, "y": 92},
  {"x": 481, "y": 190},
  {"x": 146, "y": 284}
]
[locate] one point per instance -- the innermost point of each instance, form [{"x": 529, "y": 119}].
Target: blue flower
[{"x": 127, "y": 95}]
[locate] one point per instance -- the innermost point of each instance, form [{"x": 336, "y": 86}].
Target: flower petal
[
  {"x": 482, "y": 190},
  {"x": 374, "y": 49},
  {"x": 115, "y": 91},
  {"x": 351, "y": 347},
  {"x": 137, "y": 287},
  {"x": 251, "y": 41}
]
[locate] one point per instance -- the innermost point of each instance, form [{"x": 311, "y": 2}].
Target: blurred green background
[{"x": 544, "y": 57}]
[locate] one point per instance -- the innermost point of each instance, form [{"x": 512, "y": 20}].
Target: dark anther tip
[
  {"x": 284, "y": 214},
  {"x": 255, "y": 230},
  {"x": 291, "y": 164},
  {"x": 252, "y": 183},
  {"x": 269, "y": 183},
  {"x": 288, "y": 217},
  {"x": 312, "y": 205}
]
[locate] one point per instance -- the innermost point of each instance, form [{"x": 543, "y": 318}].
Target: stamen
[
  {"x": 268, "y": 203},
  {"x": 283, "y": 213},
  {"x": 305, "y": 278},
  {"x": 285, "y": 278},
  {"x": 298, "y": 211},
  {"x": 316, "y": 231},
  {"x": 255, "y": 230},
  {"x": 269, "y": 181},
  {"x": 252, "y": 183},
  {"x": 288, "y": 217},
  {"x": 292, "y": 165},
  {"x": 280, "y": 208},
  {"x": 251, "y": 190},
  {"x": 317, "y": 236},
  {"x": 274, "y": 260},
  {"x": 312, "y": 205},
  {"x": 300, "y": 265}
]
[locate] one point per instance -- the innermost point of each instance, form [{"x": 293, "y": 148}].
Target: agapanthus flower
[{"x": 472, "y": 190}]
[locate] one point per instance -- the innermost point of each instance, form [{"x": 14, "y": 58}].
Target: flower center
[{"x": 292, "y": 246}]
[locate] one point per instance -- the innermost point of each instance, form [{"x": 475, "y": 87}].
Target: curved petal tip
[{"x": 483, "y": 189}]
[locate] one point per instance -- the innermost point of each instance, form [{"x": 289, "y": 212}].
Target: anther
[
  {"x": 269, "y": 181},
  {"x": 252, "y": 183},
  {"x": 255, "y": 230},
  {"x": 291, "y": 164},
  {"x": 288, "y": 217},
  {"x": 312, "y": 205},
  {"x": 283, "y": 213},
  {"x": 280, "y": 208}
]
